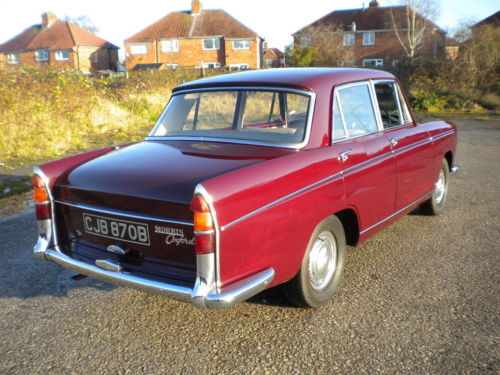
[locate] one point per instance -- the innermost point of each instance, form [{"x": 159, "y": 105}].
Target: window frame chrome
[
  {"x": 307, "y": 132},
  {"x": 397, "y": 91},
  {"x": 337, "y": 89}
]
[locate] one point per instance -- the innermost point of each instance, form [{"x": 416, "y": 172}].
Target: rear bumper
[{"x": 224, "y": 298}]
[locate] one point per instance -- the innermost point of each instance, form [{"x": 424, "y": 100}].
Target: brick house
[
  {"x": 196, "y": 38},
  {"x": 61, "y": 44},
  {"x": 367, "y": 37},
  {"x": 274, "y": 58}
]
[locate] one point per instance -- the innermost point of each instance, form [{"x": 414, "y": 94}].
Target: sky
[{"x": 273, "y": 20}]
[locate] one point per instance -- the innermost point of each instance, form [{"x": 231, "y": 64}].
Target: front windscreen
[{"x": 278, "y": 117}]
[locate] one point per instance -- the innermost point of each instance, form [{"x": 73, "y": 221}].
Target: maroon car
[{"x": 247, "y": 181}]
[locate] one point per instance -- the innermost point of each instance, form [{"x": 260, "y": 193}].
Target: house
[
  {"x": 61, "y": 44},
  {"x": 199, "y": 38},
  {"x": 493, "y": 20},
  {"x": 452, "y": 49},
  {"x": 367, "y": 37},
  {"x": 274, "y": 58}
]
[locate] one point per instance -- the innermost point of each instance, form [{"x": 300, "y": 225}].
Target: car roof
[{"x": 302, "y": 78}]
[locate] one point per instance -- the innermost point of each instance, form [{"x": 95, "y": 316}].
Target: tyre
[
  {"x": 322, "y": 266},
  {"x": 436, "y": 203}
]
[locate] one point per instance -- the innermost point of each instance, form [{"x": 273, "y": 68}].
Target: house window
[
  {"x": 369, "y": 38},
  {"x": 211, "y": 44},
  {"x": 62, "y": 55},
  {"x": 139, "y": 49},
  {"x": 42, "y": 55},
  {"x": 349, "y": 39},
  {"x": 269, "y": 61},
  {"x": 239, "y": 66},
  {"x": 211, "y": 65},
  {"x": 172, "y": 66},
  {"x": 170, "y": 45},
  {"x": 304, "y": 41},
  {"x": 373, "y": 63},
  {"x": 13, "y": 58},
  {"x": 395, "y": 63},
  {"x": 95, "y": 58},
  {"x": 241, "y": 44}
]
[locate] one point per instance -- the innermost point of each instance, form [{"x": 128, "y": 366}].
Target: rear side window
[
  {"x": 392, "y": 107},
  {"x": 357, "y": 109}
]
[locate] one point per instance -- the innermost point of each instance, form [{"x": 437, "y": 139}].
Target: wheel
[
  {"x": 436, "y": 203},
  {"x": 322, "y": 266}
]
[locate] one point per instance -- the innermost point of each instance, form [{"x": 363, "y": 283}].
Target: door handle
[
  {"x": 343, "y": 156},
  {"x": 395, "y": 140}
]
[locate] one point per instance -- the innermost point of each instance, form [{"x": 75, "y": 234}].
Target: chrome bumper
[{"x": 225, "y": 298}]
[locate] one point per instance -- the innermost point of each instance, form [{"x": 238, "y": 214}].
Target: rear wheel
[
  {"x": 436, "y": 203},
  {"x": 322, "y": 266}
]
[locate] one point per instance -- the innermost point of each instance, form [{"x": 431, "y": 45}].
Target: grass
[{"x": 48, "y": 113}]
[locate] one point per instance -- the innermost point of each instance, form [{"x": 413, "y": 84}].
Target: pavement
[{"x": 420, "y": 297}]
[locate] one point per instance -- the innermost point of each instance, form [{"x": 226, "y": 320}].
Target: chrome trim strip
[
  {"x": 307, "y": 135},
  {"x": 396, "y": 213},
  {"x": 369, "y": 161},
  {"x": 403, "y": 149},
  {"x": 344, "y": 171},
  {"x": 110, "y": 211},
  {"x": 278, "y": 201},
  {"x": 200, "y": 190},
  {"x": 443, "y": 134}
]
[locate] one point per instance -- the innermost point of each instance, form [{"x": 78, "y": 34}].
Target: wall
[
  {"x": 192, "y": 54},
  {"x": 106, "y": 59}
]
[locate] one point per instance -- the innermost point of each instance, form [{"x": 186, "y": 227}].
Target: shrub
[{"x": 48, "y": 112}]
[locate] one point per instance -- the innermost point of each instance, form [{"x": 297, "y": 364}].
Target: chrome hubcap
[
  {"x": 440, "y": 188},
  {"x": 322, "y": 261}
]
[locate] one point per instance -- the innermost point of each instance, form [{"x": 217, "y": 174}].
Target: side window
[
  {"x": 388, "y": 104},
  {"x": 357, "y": 108},
  {"x": 338, "y": 125}
]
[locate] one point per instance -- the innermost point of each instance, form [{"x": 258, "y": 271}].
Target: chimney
[
  {"x": 195, "y": 7},
  {"x": 48, "y": 19},
  {"x": 374, "y": 4}
]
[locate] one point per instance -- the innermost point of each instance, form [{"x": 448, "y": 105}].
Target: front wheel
[
  {"x": 436, "y": 203},
  {"x": 322, "y": 266}
]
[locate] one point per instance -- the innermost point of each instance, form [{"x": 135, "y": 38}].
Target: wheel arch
[
  {"x": 349, "y": 219},
  {"x": 449, "y": 158}
]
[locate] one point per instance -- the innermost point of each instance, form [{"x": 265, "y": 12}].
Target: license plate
[{"x": 123, "y": 230}]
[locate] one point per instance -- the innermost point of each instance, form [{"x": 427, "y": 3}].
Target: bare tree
[
  {"x": 321, "y": 45},
  {"x": 411, "y": 23},
  {"x": 84, "y": 22}
]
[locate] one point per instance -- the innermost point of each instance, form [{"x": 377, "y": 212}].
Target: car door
[
  {"x": 367, "y": 162},
  {"x": 410, "y": 143}
]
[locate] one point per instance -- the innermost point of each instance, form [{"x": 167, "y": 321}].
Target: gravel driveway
[{"x": 421, "y": 297}]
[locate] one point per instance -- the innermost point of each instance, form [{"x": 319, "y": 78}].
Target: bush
[
  {"x": 47, "y": 112},
  {"x": 490, "y": 101}
]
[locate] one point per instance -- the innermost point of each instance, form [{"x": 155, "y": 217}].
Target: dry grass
[{"x": 48, "y": 113}]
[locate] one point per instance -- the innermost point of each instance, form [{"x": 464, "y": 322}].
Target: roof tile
[
  {"x": 61, "y": 35},
  {"x": 183, "y": 24}
]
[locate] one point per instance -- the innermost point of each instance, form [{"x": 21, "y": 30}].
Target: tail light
[
  {"x": 41, "y": 198},
  {"x": 204, "y": 232}
]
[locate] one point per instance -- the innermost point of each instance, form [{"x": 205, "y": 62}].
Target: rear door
[
  {"x": 368, "y": 165},
  {"x": 410, "y": 143}
]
